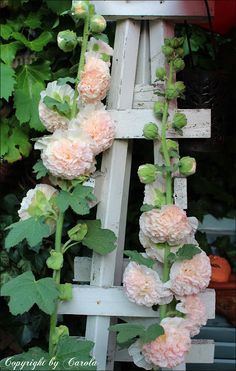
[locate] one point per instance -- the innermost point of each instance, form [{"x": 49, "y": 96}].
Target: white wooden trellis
[{"x": 136, "y": 55}]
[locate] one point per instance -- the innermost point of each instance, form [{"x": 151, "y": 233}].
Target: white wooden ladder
[{"x": 137, "y": 53}]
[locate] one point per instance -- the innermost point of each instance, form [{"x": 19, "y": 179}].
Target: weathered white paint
[
  {"x": 112, "y": 188},
  {"x": 112, "y": 301},
  {"x": 202, "y": 351},
  {"x": 129, "y": 123},
  {"x": 177, "y": 9},
  {"x": 180, "y": 192}
]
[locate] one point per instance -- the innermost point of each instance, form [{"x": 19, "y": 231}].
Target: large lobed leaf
[
  {"x": 79, "y": 200},
  {"x": 7, "y": 81},
  {"x": 24, "y": 291},
  {"x": 100, "y": 240}
]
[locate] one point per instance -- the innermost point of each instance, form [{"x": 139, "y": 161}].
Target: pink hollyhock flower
[
  {"x": 98, "y": 48},
  {"x": 51, "y": 119},
  {"x": 97, "y": 123},
  {"x": 170, "y": 349},
  {"x": 143, "y": 286},
  {"x": 168, "y": 224},
  {"x": 67, "y": 154},
  {"x": 95, "y": 81},
  {"x": 189, "y": 277},
  {"x": 195, "y": 312}
]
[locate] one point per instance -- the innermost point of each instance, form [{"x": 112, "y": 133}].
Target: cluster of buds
[
  {"x": 67, "y": 40},
  {"x": 147, "y": 173}
]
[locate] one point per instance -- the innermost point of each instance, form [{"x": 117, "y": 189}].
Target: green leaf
[
  {"x": 37, "y": 44},
  {"x": 78, "y": 200},
  {"x": 30, "y": 82},
  {"x": 64, "y": 80},
  {"x": 151, "y": 333},
  {"x": 35, "y": 354},
  {"x": 4, "y": 130},
  {"x": 8, "y": 51},
  {"x": 59, "y": 7},
  {"x": 139, "y": 258},
  {"x": 33, "y": 20},
  {"x": 5, "y": 31},
  {"x": 79, "y": 350},
  {"x": 102, "y": 37},
  {"x": 63, "y": 108},
  {"x": 18, "y": 144},
  {"x": 127, "y": 331},
  {"x": 7, "y": 81},
  {"x": 33, "y": 230},
  {"x": 146, "y": 207},
  {"x": 187, "y": 252},
  {"x": 39, "y": 169},
  {"x": 102, "y": 241},
  {"x": 24, "y": 291}
]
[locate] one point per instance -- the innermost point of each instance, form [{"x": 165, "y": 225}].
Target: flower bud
[
  {"x": 167, "y": 51},
  {"x": 67, "y": 40},
  {"x": 78, "y": 232},
  {"x": 167, "y": 41},
  {"x": 179, "y": 120},
  {"x": 159, "y": 198},
  {"x": 175, "y": 90},
  {"x": 97, "y": 23},
  {"x": 159, "y": 108},
  {"x": 176, "y": 42},
  {"x": 147, "y": 173},
  {"x": 59, "y": 332},
  {"x": 187, "y": 166},
  {"x": 178, "y": 64},
  {"x": 180, "y": 52},
  {"x": 160, "y": 73},
  {"x": 172, "y": 146},
  {"x": 150, "y": 131},
  {"x": 80, "y": 9},
  {"x": 55, "y": 260},
  {"x": 180, "y": 87}
]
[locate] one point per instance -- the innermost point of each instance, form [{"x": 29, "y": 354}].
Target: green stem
[
  {"x": 56, "y": 277},
  {"x": 169, "y": 198},
  {"x": 81, "y": 64}
]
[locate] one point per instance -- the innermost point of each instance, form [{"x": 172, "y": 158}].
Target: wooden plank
[
  {"x": 219, "y": 334},
  {"x": 180, "y": 192},
  {"x": 225, "y": 350},
  {"x": 129, "y": 123},
  {"x": 201, "y": 350},
  {"x": 175, "y": 9},
  {"x": 112, "y": 188},
  {"x": 218, "y": 365},
  {"x": 112, "y": 301}
]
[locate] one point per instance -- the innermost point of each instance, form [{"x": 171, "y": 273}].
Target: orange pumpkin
[{"x": 220, "y": 269}]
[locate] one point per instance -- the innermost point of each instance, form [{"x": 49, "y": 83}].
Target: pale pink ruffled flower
[
  {"x": 97, "y": 48},
  {"x": 143, "y": 286},
  {"x": 96, "y": 122},
  {"x": 168, "y": 224},
  {"x": 95, "y": 81},
  {"x": 195, "y": 311},
  {"x": 170, "y": 349},
  {"x": 67, "y": 154},
  {"x": 189, "y": 277},
  {"x": 50, "y": 118}
]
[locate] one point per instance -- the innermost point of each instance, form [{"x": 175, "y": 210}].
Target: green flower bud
[
  {"x": 175, "y": 90},
  {"x": 159, "y": 198},
  {"x": 97, "y": 23},
  {"x": 65, "y": 291},
  {"x": 176, "y": 42},
  {"x": 147, "y": 173},
  {"x": 80, "y": 9},
  {"x": 55, "y": 261},
  {"x": 179, "y": 120},
  {"x": 167, "y": 51},
  {"x": 78, "y": 232},
  {"x": 59, "y": 332},
  {"x": 150, "y": 131},
  {"x": 180, "y": 52},
  {"x": 180, "y": 87},
  {"x": 187, "y": 166},
  {"x": 172, "y": 146},
  {"x": 167, "y": 41},
  {"x": 67, "y": 40},
  {"x": 178, "y": 64},
  {"x": 159, "y": 108},
  {"x": 160, "y": 73}
]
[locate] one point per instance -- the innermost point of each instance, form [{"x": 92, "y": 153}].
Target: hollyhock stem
[
  {"x": 169, "y": 198},
  {"x": 81, "y": 64},
  {"x": 56, "y": 277}
]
